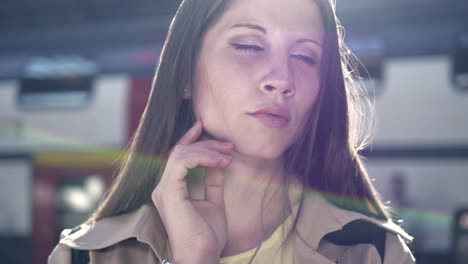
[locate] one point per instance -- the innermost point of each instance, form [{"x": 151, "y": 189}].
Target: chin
[{"x": 264, "y": 153}]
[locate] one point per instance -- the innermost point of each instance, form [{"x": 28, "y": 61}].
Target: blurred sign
[
  {"x": 55, "y": 92},
  {"x": 57, "y": 81}
]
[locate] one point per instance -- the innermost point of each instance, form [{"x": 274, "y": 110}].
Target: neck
[
  {"x": 247, "y": 179},
  {"x": 255, "y": 200}
]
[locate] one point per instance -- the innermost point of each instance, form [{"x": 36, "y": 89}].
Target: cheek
[
  {"x": 241, "y": 65},
  {"x": 307, "y": 89},
  {"x": 213, "y": 100},
  {"x": 227, "y": 81}
]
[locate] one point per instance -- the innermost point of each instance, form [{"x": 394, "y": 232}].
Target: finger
[
  {"x": 196, "y": 157},
  {"x": 174, "y": 180},
  {"x": 221, "y": 146},
  {"x": 206, "y": 158},
  {"x": 214, "y": 187},
  {"x": 192, "y": 134}
]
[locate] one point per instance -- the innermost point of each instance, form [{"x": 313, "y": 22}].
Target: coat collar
[
  {"x": 141, "y": 224},
  {"x": 318, "y": 218}
]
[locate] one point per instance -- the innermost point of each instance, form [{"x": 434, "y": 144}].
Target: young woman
[{"x": 247, "y": 151}]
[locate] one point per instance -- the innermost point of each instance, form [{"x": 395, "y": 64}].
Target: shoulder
[
  {"x": 367, "y": 239},
  {"x": 126, "y": 251},
  {"x": 112, "y": 240},
  {"x": 397, "y": 250},
  {"x": 372, "y": 241},
  {"x": 63, "y": 253},
  {"x": 365, "y": 242},
  {"x": 337, "y": 230}
]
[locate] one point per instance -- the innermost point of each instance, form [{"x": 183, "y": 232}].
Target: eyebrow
[
  {"x": 251, "y": 26},
  {"x": 264, "y": 31},
  {"x": 302, "y": 40}
]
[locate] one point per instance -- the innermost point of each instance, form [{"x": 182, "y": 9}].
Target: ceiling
[
  {"x": 408, "y": 27},
  {"x": 29, "y": 14}
]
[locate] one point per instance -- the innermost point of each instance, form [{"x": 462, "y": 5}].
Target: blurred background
[{"x": 75, "y": 76}]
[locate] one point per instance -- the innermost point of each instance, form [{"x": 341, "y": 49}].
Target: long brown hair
[{"x": 325, "y": 157}]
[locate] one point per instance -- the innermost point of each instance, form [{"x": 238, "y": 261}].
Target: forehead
[{"x": 302, "y": 16}]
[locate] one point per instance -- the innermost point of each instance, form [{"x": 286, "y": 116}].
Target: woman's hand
[{"x": 197, "y": 229}]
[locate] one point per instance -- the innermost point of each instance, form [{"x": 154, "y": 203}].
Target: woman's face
[{"x": 261, "y": 53}]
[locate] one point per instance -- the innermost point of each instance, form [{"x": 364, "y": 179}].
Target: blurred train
[{"x": 65, "y": 120}]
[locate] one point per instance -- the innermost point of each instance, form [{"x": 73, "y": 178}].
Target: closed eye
[
  {"x": 308, "y": 60},
  {"x": 247, "y": 47}
]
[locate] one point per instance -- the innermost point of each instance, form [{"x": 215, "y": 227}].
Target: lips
[{"x": 272, "y": 116}]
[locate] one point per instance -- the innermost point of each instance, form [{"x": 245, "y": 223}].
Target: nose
[{"x": 278, "y": 80}]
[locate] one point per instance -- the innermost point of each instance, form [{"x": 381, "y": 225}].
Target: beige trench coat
[{"x": 134, "y": 237}]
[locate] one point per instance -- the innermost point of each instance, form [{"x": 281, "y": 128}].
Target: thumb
[
  {"x": 192, "y": 134},
  {"x": 214, "y": 186}
]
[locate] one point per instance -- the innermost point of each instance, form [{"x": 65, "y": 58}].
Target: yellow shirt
[{"x": 270, "y": 250}]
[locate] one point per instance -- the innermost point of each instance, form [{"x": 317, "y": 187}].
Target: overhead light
[{"x": 59, "y": 66}]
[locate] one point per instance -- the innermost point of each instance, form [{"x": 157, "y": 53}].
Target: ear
[{"x": 187, "y": 93}]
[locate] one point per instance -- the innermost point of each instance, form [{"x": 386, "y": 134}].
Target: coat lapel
[{"x": 320, "y": 217}]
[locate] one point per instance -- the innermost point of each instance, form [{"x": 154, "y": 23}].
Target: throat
[
  {"x": 238, "y": 244},
  {"x": 243, "y": 235}
]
